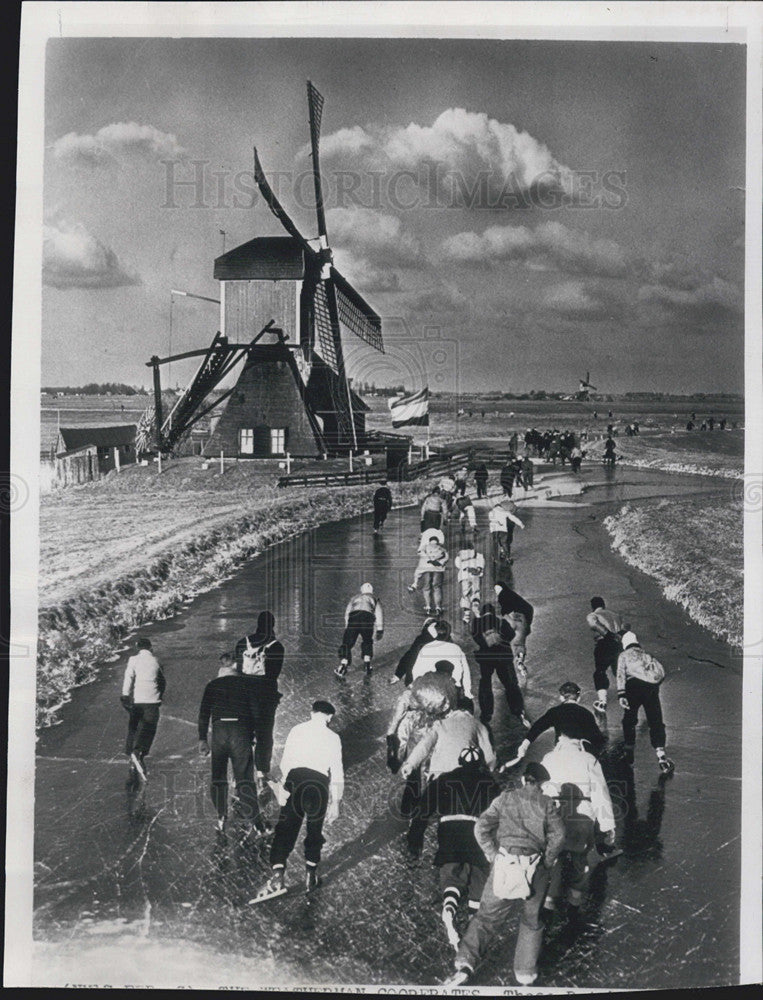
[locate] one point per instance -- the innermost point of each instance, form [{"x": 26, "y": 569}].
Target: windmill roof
[
  {"x": 265, "y": 258},
  {"x": 101, "y": 437}
]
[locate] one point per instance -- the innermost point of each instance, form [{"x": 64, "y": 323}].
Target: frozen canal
[{"x": 664, "y": 915}]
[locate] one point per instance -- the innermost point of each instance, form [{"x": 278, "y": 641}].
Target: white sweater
[
  {"x": 569, "y": 763},
  {"x": 312, "y": 744},
  {"x": 143, "y": 679},
  {"x": 443, "y": 650}
]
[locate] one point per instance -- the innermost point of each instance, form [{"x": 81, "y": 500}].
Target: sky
[{"x": 518, "y": 212}]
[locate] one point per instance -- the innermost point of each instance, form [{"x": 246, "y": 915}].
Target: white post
[
  {"x": 222, "y": 462},
  {"x": 350, "y": 454},
  {"x": 410, "y": 453},
  {"x": 116, "y": 459},
  {"x": 160, "y": 463},
  {"x": 288, "y": 463}
]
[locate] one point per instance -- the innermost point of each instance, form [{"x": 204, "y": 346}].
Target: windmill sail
[
  {"x": 356, "y": 314},
  {"x": 315, "y": 108},
  {"x": 329, "y": 301},
  {"x": 275, "y": 205}
]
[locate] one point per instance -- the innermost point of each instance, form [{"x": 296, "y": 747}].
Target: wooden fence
[{"x": 434, "y": 466}]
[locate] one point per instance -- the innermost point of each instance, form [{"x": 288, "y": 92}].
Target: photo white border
[{"x": 635, "y": 22}]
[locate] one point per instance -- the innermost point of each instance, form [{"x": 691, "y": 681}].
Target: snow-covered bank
[
  {"x": 79, "y": 633},
  {"x": 694, "y": 549},
  {"x": 694, "y": 453}
]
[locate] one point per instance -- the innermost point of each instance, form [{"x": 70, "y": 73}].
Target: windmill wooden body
[
  {"x": 284, "y": 308},
  {"x": 584, "y": 390}
]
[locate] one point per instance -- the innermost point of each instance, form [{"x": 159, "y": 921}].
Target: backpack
[
  {"x": 655, "y": 670},
  {"x": 253, "y": 659}
]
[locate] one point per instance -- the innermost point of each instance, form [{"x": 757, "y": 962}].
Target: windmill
[
  {"x": 293, "y": 392},
  {"x": 328, "y": 300},
  {"x": 583, "y": 393}
]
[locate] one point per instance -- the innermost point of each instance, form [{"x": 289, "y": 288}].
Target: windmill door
[{"x": 254, "y": 442}]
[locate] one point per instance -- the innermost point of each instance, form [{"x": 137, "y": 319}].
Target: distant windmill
[{"x": 584, "y": 390}]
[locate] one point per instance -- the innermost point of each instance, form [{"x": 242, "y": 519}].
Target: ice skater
[
  {"x": 521, "y": 834},
  {"x": 229, "y": 702},
  {"x": 607, "y": 630},
  {"x": 577, "y": 783},
  {"x": 471, "y": 569},
  {"x": 142, "y": 693},
  {"x": 433, "y": 557},
  {"x": 311, "y": 790},
  {"x": 639, "y": 676},
  {"x": 501, "y": 519},
  {"x": 458, "y": 798},
  {"x": 382, "y": 505},
  {"x": 362, "y": 616},
  {"x": 569, "y": 719}
]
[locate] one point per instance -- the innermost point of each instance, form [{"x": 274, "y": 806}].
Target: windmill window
[
  {"x": 246, "y": 441},
  {"x": 277, "y": 440}
]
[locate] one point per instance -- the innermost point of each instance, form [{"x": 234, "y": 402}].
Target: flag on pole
[{"x": 411, "y": 410}]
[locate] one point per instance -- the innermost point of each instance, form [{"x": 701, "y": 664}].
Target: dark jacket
[
  {"x": 481, "y": 472},
  {"x": 274, "y": 652},
  {"x": 570, "y": 719},
  {"x": 464, "y": 792},
  {"x": 489, "y": 620},
  {"x": 522, "y": 820},
  {"x": 404, "y": 669},
  {"x": 383, "y": 498},
  {"x": 230, "y": 697},
  {"x": 509, "y": 600}
]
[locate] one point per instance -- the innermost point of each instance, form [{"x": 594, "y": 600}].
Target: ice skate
[
  {"x": 666, "y": 765},
  {"x": 459, "y": 977},
  {"x": 273, "y": 887},
  {"x": 341, "y": 670},
  {"x": 600, "y": 706},
  {"x": 312, "y": 878},
  {"x": 525, "y": 978}
]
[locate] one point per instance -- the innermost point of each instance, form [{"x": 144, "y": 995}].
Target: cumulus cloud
[
  {"x": 118, "y": 139},
  {"x": 367, "y": 277},
  {"x": 479, "y": 156},
  {"x": 377, "y": 236},
  {"x": 703, "y": 305},
  {"x": 576, "y": 300},
  {"x": 73, "y": 258},
  {"x": 550, "y": 246}
]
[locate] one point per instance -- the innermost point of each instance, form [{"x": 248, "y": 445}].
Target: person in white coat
[
  {"x": 501, "y": 520},
  {"x": 142, "y": 692},
  {"x": 577, "y": 782},
  {"x": 443, "y": 648},
  {"x": 471, "y": 569}
]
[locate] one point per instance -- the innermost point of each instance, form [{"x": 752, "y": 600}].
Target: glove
[
  {"x": 394, "y": 679},
  {"x": 393, "y": 745},
  {"x": 203, "y": 748},
  {"x": 623, "y": 702},
  {"x": 126, "y": 703},
  {"x": 523, "y": 747},
  {"x": 379, "y": 634}
]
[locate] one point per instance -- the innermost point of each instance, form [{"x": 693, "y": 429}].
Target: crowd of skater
[{"x": 534, "y": 840}]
